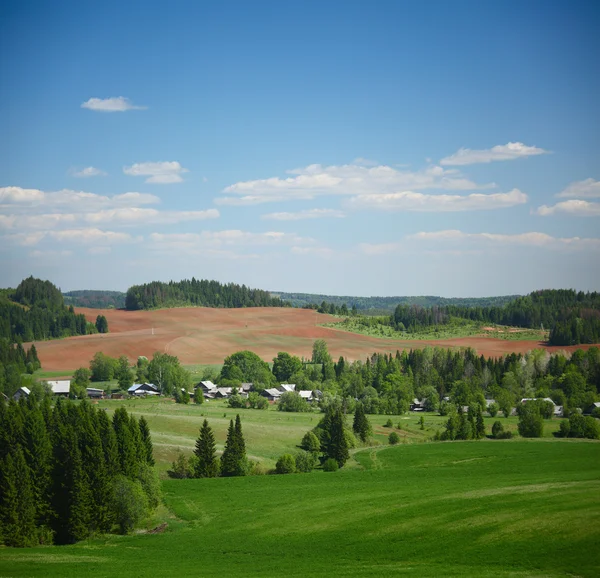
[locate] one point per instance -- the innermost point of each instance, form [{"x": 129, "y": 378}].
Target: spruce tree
[
  {"x": 233, "y": 460},
  {"x": 126, "y": 444},
  {"x": 361, "y": 425},
  {"x": 109, "y": 444},
  {"x": 338, "y": 445},
  {"x": 17, "y": 501},
  {"x": 479, "y": 424},
  {"x": 241, "y": 444},
  {"x": 207, "y": 465},
  {"x": 146, "y": 441}
]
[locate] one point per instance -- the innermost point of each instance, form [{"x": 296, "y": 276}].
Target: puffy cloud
[
  {"x": 573, "y": 207},
  {"x": 14, "y": 195},
  {"x": 315, "y": 180},
  {"x": 587, "y": 189},
  {"x": 160, "y": 173},
  {"x": 507, "y": 152},
  {"x": 411, "y": 201},
  {"x": 307, "y": 214},
  {"x": 113, "y": 104},
  {"x": 87, "y": 172}
]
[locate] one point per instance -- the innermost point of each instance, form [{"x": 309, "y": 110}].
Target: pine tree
[
  {"x": 126, "y": 444},
  {"x": 146, "y": 441},
  {"x": 241, "y": 444},
  {"x": 109, "y": 444},
  {"x": 361, "y": 425},
  {"x": 17, "y": 501},
  {"x": 207, "y": 465},
  {"x": 338, "y": 446},
  {"x": 228, "y": 458},
  {"x": 479, "y": 424}
]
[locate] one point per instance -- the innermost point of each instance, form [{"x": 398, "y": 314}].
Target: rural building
[
  {"x": 286, "y": 387},
  {"x": 94, "y": 393},
  {"x": 306, "y": 394},
  {"x": 271, "y": 394},
  {"x": 143, "y": 389},
  {"x": 222, "y": 392},
  {"x": 417, "y": 405},
  {"x": 116, "y": 396},
  {"x": 590, "y": 408},
  {"x": 246, "y": 387},
  {"x": 61, "y": 387},
  {"x": 207, "y": 386},
  {"x": 558, "y": 409},
  {"x": 21, "y": 392}
]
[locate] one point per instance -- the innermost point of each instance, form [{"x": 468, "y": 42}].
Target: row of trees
[
  {"x": 15, "y": 361},
  {"x": 197, "y": 292},
  {"x": 68, "y": 472},
  {"x": 388, "y": 384},
  {"x": 36, "y": 311}
]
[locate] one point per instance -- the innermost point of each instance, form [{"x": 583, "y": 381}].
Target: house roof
[
  {"x": 25, "y": 389},
  {"x": 305, "y": 394},
  {"x": 60, "y": 386},
  {"x": 148, "y": 387},
  {"x": 288, "y": 387},
  {"x": 209, "y": 384},
  {"x": 94, "y": 390},
  {"x": 537, "y": 399},
  {"x": 273, "y": 392}
]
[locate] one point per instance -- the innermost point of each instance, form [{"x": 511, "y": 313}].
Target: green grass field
[
  {"x": 484, "y": 509},
  {"x": 457, "y": 328}
]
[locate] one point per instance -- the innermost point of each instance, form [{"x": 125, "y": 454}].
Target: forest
[
  {"x": 35, "y": 310},
  {"x": 68, "y": 472},
  {"x": 197, "y": 293},
  {"x": 572, "y": 317},
  {"x": 95, "y": 299}
]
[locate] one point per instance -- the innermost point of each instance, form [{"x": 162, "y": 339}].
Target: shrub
[
  {"x": 394, "y": 438},
  {"x": 565, "y": 428},
  {"x": 531, "y": 422},
  {"x": 291, "y": 401},
  {"x": 286, "y": 464},
  {"x": 130, "y": 503},
  {"x": 180, "y": 468},
  {"x": 591, "y": 430},
  {"x": 330, "y": 465},
  {"x": 497, "y": 428},
  {"x": 305, "y": 462},
  {"x": 389, "y": 423},
  {"x": 493, "y": 409},
  {"x": 310, "y": 442},
  {"x": 236, "y": 401},
  {"x": 256, "y": 469}
]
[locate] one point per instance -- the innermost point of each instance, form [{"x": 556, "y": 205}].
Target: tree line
[
  {"x": 68, "y": 472},
  {"x": 35, "y": 310},
  {"x": 197, "y": 293},
  {"x": 16, "y": 366}
]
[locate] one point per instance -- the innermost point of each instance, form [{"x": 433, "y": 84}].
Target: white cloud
[
  {"x": 75, "y": 236},
  {"x": 411, "y": 201},
  {"x": 449, "y": 239},
  {"x": 113, "y": 104},
  {"x": 13, "y": 195},
  {"x": 136, "y": 215},
  {"x": 87, "y": 172},
  {"x": 160, "y": 173},
  {"x": 307, "y": 214},
  {"x": 587, "y": 189},
  {"x": 507, "y": 152},
  {"x": 573, "y": 207},
  {"x": 315, "y": 180},
  {"x": 19, "y": 199}
]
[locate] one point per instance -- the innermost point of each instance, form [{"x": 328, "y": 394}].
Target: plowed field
[{"x": 203, "y": 335}]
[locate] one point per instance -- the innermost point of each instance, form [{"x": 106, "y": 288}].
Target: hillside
[
  {"x": 483, "y": 509},
  {"x": 95, "y": 299}
]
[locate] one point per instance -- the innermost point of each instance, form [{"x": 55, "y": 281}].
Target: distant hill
[
  {"x": 95, "y": 299},
  {"x": 364, "y": 304}
]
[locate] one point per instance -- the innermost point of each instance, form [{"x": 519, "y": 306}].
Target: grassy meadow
[{"x": 486, "y": 509}]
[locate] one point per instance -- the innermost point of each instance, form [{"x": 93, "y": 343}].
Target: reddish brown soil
[{"x": 202, "y": 335}]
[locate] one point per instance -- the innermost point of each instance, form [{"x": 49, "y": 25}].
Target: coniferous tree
[
  {"x": 361, "y": 425},
  {"x": 207, "y": 465},
  {"x": 17, "y": 501},
  {"x": 233, "y": 460},
  {"x": 241, "y": 444},
  {"x": 146, "y": 441},
  {"x": 109, "y": 444},
  {"x": 337, "y": 446},
  {"x": 479, "y": 424},
  {"x": 126, "y": 445}
]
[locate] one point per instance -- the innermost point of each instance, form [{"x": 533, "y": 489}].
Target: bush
[
  {"x": 286, "y": 464},
  {"x": 180, "y": 468},
  {"x": 291, "y": 401},
  {"x": 236, "y": 401},
  {"x": 305, "y": 462},
  {"x": 330, "y": 465},
  {"x": 389, "y": 423},
  {"x": 497, "y": 429},
  {"x": 310, "y": 442},
  {"x": 565, "y": 428},
  {"x": 531, "y": 422},
  {"x": 256, "y": 469},
  {"x": 394, "y": 438},
  {"x": 493, "y": 409},
  {"x": 130, "y": 503}
]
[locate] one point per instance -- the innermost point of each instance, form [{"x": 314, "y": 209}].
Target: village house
[
  {"x": 287, "y": 387},
  {"x": 143, "y": 389},
  {"x": 417, "y": 405},
  {"x": 60, "y": 387},
  {"x": 271, "y": 394},
  {"x": 21, "y": 392},
  {"x": 246, "y": 387},
  {"x": 590, "y": 408},
  {"x": 207, "y": 386},
  {"x": 558, "y": 409},
  {"x": 306, "y": 394},
  {"x": 94, "y": 393}
]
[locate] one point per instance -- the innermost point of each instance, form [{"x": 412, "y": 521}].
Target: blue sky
[{"x": 364, "y": 148}]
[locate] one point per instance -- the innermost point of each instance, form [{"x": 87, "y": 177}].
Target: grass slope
[{"x": 485, "y": 509}]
